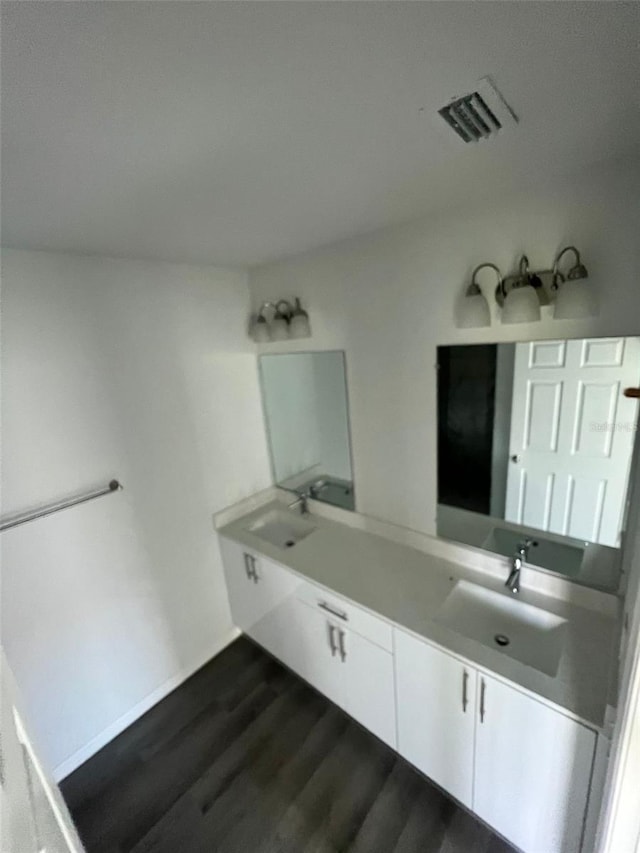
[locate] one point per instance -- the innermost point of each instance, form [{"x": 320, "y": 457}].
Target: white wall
[
  {"x": 143, "y": 372},
  {"x": 388, "y": 299}
]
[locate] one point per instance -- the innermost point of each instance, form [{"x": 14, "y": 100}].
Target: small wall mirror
[
  {"x": 535, "y": 442},
  {"x": 307, "y": 415}
]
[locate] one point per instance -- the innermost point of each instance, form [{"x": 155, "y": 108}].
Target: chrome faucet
[
  {"x": 301, "y": 502},
  {"x": 513, "y": 581}
]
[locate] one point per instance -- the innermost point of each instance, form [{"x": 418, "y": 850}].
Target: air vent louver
[{"x": 480, "y": 114}]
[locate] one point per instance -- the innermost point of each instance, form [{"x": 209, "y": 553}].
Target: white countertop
[{"x": 407, "y": 587}]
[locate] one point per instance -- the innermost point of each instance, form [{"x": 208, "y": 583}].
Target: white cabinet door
[
  {"x": 350, "y": 670},
  {"x": 370, "y": 686},
  {"x": 436, "y": 714},
  {"x": 532, "y": 770},
  {"x": 263, "y": 602},
  {"x": 246, "y": 605},
  {"x": 319, "y": 652}
]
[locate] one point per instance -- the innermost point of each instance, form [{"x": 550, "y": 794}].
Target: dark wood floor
[{"x": 246, "y": 758}]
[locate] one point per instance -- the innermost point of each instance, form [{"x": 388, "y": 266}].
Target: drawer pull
[
  {"x": 465, "y": 699},
  {"x": 339, "y": 614},
  {"x": 482, "y": 692}
]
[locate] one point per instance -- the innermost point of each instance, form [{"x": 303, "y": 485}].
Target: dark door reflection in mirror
[
  {"x": 536, "y": 439},
  {"x": 307, "y": 415}
]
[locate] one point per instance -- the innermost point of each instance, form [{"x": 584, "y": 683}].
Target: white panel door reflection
[{"x": 572, "y": 435}]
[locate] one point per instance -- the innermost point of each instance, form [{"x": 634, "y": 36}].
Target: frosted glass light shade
[
  {"x": 521, "y": 305},
  {"x": 575, "y": 299},
  {"x": 474, "y": 312},
  {"x": 299, "y": 327},
  {"x": 260, "y": 331},
  {"x": 279, "y": 329}
]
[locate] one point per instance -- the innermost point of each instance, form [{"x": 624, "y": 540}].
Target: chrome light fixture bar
[
  {"x": 279, "y": 321},
  {"x": 521, "y": 295}
]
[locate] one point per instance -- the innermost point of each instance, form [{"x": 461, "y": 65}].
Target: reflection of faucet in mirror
[{"x": 513, "y": 581}]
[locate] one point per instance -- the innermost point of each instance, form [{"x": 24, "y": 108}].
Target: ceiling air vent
[{"x": 480, "y": 114}]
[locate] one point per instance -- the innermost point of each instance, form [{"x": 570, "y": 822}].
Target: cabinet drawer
[{"x": 333, "y": 607}]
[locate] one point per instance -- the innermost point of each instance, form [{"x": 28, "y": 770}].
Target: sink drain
[
  {"x": 289, "y": 543},
  {"x": 502, "y": 639}
]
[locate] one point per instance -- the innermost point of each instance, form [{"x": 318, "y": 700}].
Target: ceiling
[{"x": 238, "y": 132}]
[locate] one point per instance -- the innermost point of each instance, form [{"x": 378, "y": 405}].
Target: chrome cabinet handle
[
  {"x": 343, "y": 650},
  {"x": 465, "y": 699},
  {"x": 250, "y": 567},
  {"x": 247, "y": 565},
  {"x": 339, "y": 614},
  {"x": 332, "y": 641},
  {"x": 482, "y": 692}
]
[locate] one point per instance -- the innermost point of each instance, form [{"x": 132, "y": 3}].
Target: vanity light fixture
[
  {"x": 522, "y": 294},
  {"x": 575, "y": 298},
  {"x": 280, "y": 321},
  {"x": 474, "y": 309}
]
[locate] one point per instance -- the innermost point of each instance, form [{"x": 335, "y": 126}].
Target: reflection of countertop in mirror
[
  {"x": 407, "y": 586},
  {"x": 600, "y": 566}
]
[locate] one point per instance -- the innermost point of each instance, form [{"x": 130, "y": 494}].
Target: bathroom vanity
[{"x": 501, "y": 700}]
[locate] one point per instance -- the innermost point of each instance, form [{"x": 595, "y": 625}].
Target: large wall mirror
[
  {"x": 307, "y": 416},
  {"x": 535, "y": 440}
]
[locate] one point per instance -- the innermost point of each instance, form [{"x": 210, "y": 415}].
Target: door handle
[
  {"x": 332, "y": 640},
  {"x": 465, "y": 698},
  {"x": 343, "y": 650},
  {"x": 339, "y": 614},
  {"x": 482, "y": 692}
]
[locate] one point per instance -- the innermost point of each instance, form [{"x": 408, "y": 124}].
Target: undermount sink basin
[
  {"x": 547, "y": 554},
  {"x": 281, "y": 528},
  {"x": 528, "y": 634}
]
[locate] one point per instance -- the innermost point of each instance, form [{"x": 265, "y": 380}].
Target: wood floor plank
[
  {"x": 465, "y": 833},
  {"x": 366, "y": 769},
  {"x": 387, "y": 818},
  {"x": 291, "y": 779},
  {"x": 245, "y": 757},
  {"x": 159, "y": 782},
  {"x": 245, "y": 807},
  {"x": 426, "y": 826},
  {"x": 271, "y": 715}
]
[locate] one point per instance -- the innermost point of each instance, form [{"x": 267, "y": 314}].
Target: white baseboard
[{"x": 95, "y": 744}]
